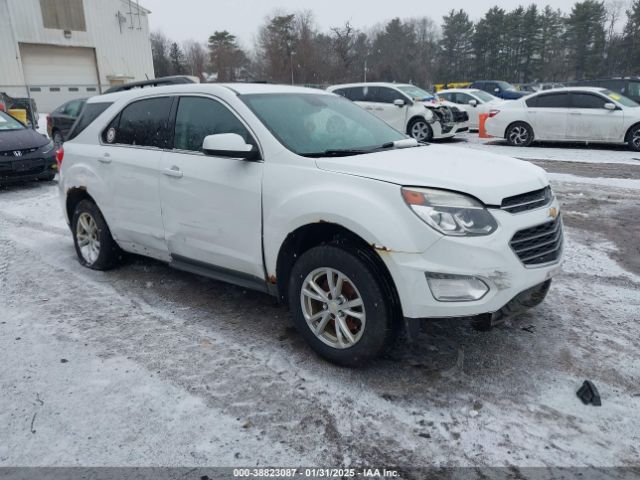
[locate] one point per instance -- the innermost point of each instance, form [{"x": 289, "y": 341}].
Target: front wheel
[
  {"x": 339, "y": 306},
  {"x": 421, "y": 130},
  {"x": 95, "y": 247},
  {"x": 634, "y": 139},
  {"x": 520, "y": 135}
]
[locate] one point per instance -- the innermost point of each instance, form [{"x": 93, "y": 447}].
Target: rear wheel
[
  {"x": 421, "y": 130},
  {"x": 634, "y": 139},
  {"x": 519, "y": 135},
  {"x": 339, "y": 305},
  {"x": 95, "y": 247}
]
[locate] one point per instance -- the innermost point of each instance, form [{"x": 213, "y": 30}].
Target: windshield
[
  {"x": 310, "y": 124},
  {"x": 621, "y": 99},
  {"x": 505, "y": 86},
  {"x": 8, "y": 123},
  {"x": 417, "y": 93},
  {"x": 484, "y": 96}
]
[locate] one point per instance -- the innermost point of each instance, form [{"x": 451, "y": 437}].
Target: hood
[
  {"x": 490, "y": 178},
  {"x": 21, "y": 140}
]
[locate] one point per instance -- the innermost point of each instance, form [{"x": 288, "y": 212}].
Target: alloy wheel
[
  {"x": 87, "y": 238},
  {"x": 519, "y": 135},
  {"x": 333, "y": 308},
  {"x": 420, "y": 131},
  {"x": 636, "y": 139}
]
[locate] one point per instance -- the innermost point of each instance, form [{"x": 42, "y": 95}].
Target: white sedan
[
  {"x": 472, "y": 101},
  {"x": 576, "y": 114}
]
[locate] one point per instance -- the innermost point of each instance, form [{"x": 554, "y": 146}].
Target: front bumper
[
  {"x": 490, "y": 259},
  {"x": 28, "y": 167}
]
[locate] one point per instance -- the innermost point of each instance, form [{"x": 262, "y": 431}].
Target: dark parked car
[
  {"x": 60, "y": 121},
  {"x": 499, "y": 89},
  {"x": 629, "y": 87},
  {"x": 24, "y": 153}
]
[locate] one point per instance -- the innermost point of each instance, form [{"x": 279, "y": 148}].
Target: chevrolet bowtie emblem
[{"x": 553, "y": 213}]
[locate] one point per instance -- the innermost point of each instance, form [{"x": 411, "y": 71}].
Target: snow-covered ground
[{"x": 145, "y": 365}]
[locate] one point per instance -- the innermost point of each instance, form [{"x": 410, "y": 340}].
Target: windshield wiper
[{"x": 349, "y": 152}]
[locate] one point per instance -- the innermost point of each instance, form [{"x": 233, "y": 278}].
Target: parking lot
[{"x": 146, "y": 365}]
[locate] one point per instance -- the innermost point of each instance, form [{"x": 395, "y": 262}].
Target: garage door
[{"x": 58, "y": 74}]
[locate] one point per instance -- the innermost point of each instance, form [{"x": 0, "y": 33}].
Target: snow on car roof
[{"x": 219, "y": 88}]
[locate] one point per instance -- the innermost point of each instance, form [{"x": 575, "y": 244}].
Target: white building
[{"x": 65, "y": 49}]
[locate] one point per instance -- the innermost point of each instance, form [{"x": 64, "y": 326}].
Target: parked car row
[
  {"x": 306, "y": 196},
  {"x": 572, "y": 114}
]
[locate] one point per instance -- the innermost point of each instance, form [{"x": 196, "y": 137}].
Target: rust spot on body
[{"x": 381, "y": 248}]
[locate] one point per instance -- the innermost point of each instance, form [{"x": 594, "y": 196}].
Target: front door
[
  {"x": 590, "y": 121},
  {"x": 211, "y": 206}
]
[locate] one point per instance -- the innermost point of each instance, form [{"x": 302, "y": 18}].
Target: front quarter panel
[{"x": 299, "y": 195}]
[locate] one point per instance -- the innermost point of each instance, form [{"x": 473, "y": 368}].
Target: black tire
[
  {"x": 109, "y": 253},
  {"x": 381, "y": 314},
  {"x": 519, "y": 134},
  {"x": 633, "y": 138},
  {"x": 420, "y": 125},
  {"x": 57, "y": 138}
]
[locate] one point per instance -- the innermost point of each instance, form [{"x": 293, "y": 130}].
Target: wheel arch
[
  {"x": 74, "y": 196},
  {"x": 414, "y": 119},
  {"x": 309, "y": 236},
  {"x": 627, "y": 136}
]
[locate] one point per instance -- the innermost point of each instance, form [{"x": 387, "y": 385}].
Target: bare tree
[{"x": 196, "y": 58}]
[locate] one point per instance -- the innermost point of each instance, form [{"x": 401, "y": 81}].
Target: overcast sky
[{"x": 197, "y": 19}]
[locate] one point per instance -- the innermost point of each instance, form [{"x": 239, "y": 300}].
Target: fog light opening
[{"x": 456, "y": 288}]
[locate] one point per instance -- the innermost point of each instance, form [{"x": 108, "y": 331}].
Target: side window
[
  {"x": 552, "y": 100},
  {"x": 199, "y": 117},
  {"x": 389, "y": 95},
  {"x": 587, "y": 100},
  {"x": 73, "y": 108},
  {"x": 463, "y": 98},
  {"x": 144, "y": 123},
  {"x": 342, "y": 92},
  {"x": 355, "y": 94},
  {"x": 446, "y": 96}
]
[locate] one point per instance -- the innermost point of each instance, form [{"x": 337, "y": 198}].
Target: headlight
[
  {"x": 450, "y": 213},
  {"x": 48, "y": 147}
]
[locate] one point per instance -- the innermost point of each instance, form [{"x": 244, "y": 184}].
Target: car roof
[
  {"x": 207, "y": 88},
  {"x": 572, "y": 89},
  {"x": 461, "y": 90},
  {"x": 370, "y": 84}
]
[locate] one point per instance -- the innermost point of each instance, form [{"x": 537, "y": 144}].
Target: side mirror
[
  {"x": 610, "y": 106},
  {"x": 399, "y": 102},
  {"x": 497, "y": 90},
  {"x": 473, "y": 103},
  {"x": 229, "y": 145}
]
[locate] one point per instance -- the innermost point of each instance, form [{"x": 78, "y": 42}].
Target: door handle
[
  {"x": 173, "y": 172},
  {"x": 577, "y": 114},
  {"x": 106, "y": 158}
]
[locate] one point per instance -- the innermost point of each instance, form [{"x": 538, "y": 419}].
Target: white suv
[
  {"x": 301, "y": 194},
  {"x": 408, "y": 108}
]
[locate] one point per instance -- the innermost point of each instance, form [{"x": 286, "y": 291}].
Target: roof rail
[{"x": 156, "y": 82}]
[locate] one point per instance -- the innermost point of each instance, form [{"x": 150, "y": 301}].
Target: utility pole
[{"x": 292, "y": 77}]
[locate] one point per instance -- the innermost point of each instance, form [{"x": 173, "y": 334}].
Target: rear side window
[
  {"x": 142, "y": 124},
  {"x": 199, "y": 117},
  {"x": 355, "y": 94},
  {"x": 587, "y": 100},
  {"x": 88, "y": 114},
  {"x": 552, "y": 100}
]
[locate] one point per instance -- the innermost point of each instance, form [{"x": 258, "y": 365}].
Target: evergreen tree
[
  {"x": 177, "y": 59},
  {"x": 631, "y": 39},
  {"x": 227, "y": 58},
  {"x": 456, "y": 46},
  {"x": 585, "y": 37}
]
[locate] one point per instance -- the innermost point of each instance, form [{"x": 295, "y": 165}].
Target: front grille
[
  {"x": 12, "y": 153},
  {"x": 528, "y": 201},
  {"x": 444, "y": 114},
  {"x": 22, "y": 168},
  {"x": 539, "y": 245}
]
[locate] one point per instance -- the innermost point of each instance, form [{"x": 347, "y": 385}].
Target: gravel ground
[{"x": 147, "y": 366}]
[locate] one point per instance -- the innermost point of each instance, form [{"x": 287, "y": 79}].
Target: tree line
[{"x": 595, "y": 39}]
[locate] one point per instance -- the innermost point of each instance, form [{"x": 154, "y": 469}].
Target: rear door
[
  {"x": 548, "y": 115},
  {"x": 590, "y": 121},
  {"x": 212, "y": 206},
  {"x": 129, "y": 160}
]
